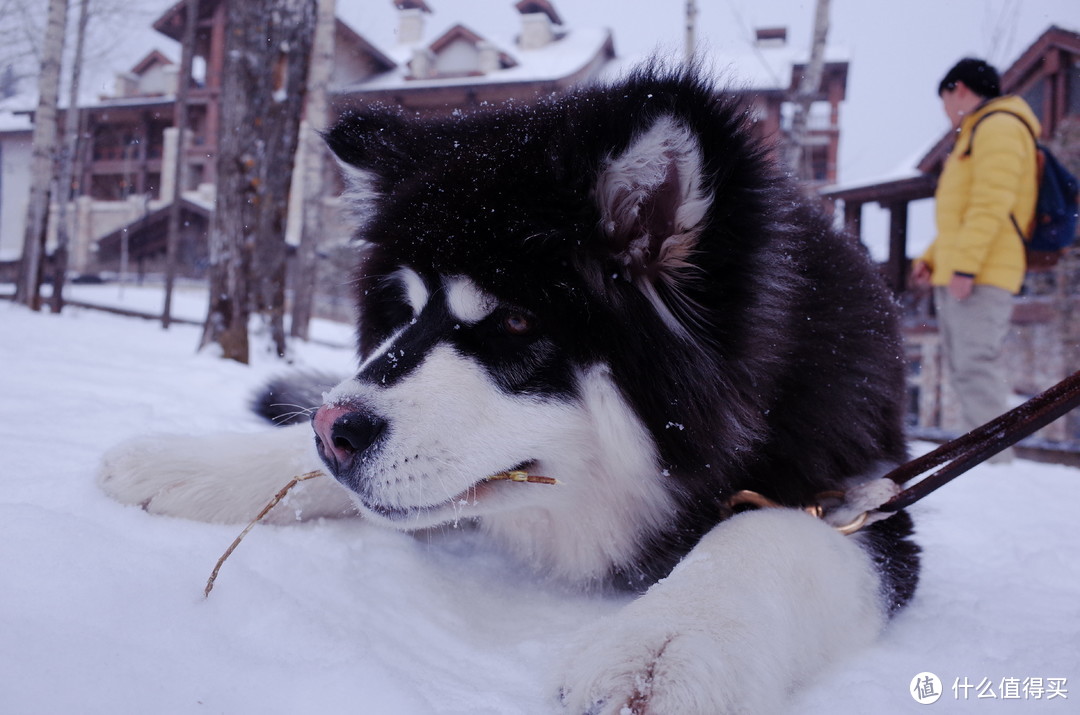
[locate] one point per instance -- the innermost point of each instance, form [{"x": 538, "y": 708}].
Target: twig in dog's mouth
[
  {"x": 265, "y": 510},
  {"x": 515, "y": 475},
  {"x": 518, "y": 475}
]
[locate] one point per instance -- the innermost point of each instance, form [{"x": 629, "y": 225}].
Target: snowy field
[{"x": 101, "y": 605}]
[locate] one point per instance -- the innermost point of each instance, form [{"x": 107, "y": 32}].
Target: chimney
[
  {"x": 488, "y": 61},
  {"x": 536, "y": 31},
  {"x": 410, "y": 26},
  {"x": 771, "y": 37},
  {"x": 422, "y": 64},
  {"x": 538, "y": 23},
  {"x": 127, "y": 85}
]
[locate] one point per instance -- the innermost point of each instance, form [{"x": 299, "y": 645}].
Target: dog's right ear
[
  {"x": 369, "y": 147},
  {"x": 653, "y": 204}
]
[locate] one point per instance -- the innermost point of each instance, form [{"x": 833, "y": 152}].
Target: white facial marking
[
  {"x": 467, "y": 302},
  {"x": 614, "y": 492},
  {"x": 451, "y": 427}
]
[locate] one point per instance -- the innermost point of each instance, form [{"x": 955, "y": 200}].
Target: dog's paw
[
  {"x": 632, "y": 667},
  {"x": 221, "y": 478},
  {"x": 130, "y": 473}
]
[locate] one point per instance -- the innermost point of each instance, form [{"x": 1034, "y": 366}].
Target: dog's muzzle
[{"x": 342, "y": 432}]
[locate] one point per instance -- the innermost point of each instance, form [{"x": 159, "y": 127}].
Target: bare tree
[
  {"x": 809, "y": 86},
  {"x": 21, "y": 41},
  {"x": 68, "y": 151},
  {"x": 268, "y": 45},
  {"x": 313, "y": 169},
  {"x": 172, "y": 239},
  {"x": 43, "y": 157}
]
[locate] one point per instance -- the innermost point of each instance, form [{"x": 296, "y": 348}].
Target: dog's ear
[
  {"x": 370, "y": 147},
  {"x": 653, "y": 202}
]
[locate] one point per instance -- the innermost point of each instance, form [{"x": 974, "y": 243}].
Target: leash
[
  {"x": 957, "y": 456},
  {"x": 978, "y": 445}
]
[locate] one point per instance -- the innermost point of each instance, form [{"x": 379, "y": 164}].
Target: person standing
[{"x": 986, "y": 192}]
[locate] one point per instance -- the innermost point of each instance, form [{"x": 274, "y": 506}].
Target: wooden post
[
  {"x": 897, "y": 261},
  {"x": 853, "y": 218}
]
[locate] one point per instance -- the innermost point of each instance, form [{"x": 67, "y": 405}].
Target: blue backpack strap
[
  {"x": 1038, "y": 148},
  {"x": 971, "y": 139}
]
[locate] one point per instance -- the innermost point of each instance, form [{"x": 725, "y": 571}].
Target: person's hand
[
  {"x": 960, "y": 286},
  {"x": 920, "y": 275}
]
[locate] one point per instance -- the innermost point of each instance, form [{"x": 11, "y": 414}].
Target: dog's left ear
[
  {"x": 653, "y": 202},
  {"x": 371, "y": 147}
]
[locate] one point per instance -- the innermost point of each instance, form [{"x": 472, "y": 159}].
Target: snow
[
  {"x": 102, "y": 608},
  {"x": 13, "y": 122}
]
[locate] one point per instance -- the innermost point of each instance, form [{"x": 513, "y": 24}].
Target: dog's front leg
[
  {"x": 763, "y": 602},
  {"x": 224, "y": 478}
]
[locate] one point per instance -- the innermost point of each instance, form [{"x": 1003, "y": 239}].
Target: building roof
[
  {"x": 15, "y": 122},
  {"x": 146, "y": 235},
  {"x": 526, "y": 7},
  {"x": 171, "y": 22},
  {"x": 154, "y": 57},
  {"x": 498, "y": 24}
]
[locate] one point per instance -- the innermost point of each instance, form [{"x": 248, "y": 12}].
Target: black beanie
[{"x": 978, "y": 76}]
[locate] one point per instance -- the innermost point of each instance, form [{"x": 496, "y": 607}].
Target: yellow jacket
[{"x": 977, "y": 193}]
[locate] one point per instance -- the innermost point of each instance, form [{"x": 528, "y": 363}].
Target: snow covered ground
[{"x": 101, "y": 605}]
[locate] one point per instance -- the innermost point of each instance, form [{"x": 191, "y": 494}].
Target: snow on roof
[
  {"x": 10, "y": 122},
  {"x": 497, "y": 22},
  {"x": 122, "y": 42},
  {"x": 557, "y": 60}
]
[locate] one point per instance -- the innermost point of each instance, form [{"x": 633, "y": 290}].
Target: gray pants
[{"x": 973, "y": 332}]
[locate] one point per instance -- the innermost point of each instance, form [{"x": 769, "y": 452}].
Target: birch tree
[
  {"x": 809, "y": 86},
  {"x": 20, "y": 42},
  {"x": 43, "y": 156},
  {"x": 314, "y": 169},
  {"x": 183, "y": 83},
  {"x": 68, "y": 153},
  {"x": 267, "y": 50}
]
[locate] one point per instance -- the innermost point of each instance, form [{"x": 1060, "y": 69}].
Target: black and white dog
[{"x": 615, "y": 288}]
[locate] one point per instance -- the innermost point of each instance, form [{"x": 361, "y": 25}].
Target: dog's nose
[{"x": 342, "y": 432}]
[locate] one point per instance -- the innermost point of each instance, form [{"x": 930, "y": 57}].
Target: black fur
[
  {"x": 293, "y": 398},
  {"x": 789, "y": 377}
]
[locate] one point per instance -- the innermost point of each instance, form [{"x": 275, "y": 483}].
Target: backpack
[{"x": 1053, "y": 228}]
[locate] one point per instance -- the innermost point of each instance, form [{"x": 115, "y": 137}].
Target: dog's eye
[{"x": 517, "y": 324}]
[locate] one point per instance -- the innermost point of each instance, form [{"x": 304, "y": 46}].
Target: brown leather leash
[
  {"x": 957, "y": 456},
  {"x": 978, "y": 445}
]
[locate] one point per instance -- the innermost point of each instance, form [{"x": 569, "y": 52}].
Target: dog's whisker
[{"x": 300, "y": 411}]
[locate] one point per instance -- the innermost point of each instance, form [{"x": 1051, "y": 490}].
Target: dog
[{"x": 618, "y": 289}]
